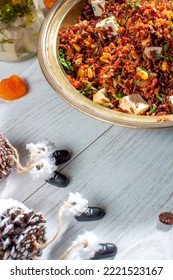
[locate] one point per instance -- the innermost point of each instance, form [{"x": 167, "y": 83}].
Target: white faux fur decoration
[
  {"x": 76, "y": 204},
  {"x": 11, "y": 203},
  {"x": 44, "y": 169},
  {"x": 41, "y": 163},
  {"x": 40, "y": 150},
  {"x": 83, "y": 248}
]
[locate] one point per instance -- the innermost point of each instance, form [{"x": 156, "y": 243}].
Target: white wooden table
[{"x": 128, "y": 172}]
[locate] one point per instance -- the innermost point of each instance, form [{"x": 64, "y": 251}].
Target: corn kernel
[
  {"x": 169, "y": 14},
  {"x": 78, "y": 60},
  {"x": 90, "y": 73},
  {"x": 80, "y": 72},
  {"x": 104, "y": 59},
  {"x": 93, "y": 46},
  {"x": 88, "y": 41},
  {"x": 164, "y": 65},
  {"x": 145, "y": 41},
  {"x": 107, "y": 55},
  {"x": 142, "y": 73},
  {"x": 77, "y": 47}
]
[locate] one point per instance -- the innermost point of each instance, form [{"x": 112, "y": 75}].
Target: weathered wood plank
[
  {"x": 129, "y": 173},
  {"x": 41, "y": 114}
]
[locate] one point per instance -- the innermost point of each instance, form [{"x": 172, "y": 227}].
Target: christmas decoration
[
  {"x": 58, "y": 179},
  {"x": 87, "y": 246},
  {"x": 6, "y": 163},
  {"x": 74, "y": 206},
  {"x": 42, "y": 162},
  {"x": 22, "y": 231},
  {"x": 91, "y": 214},
  {"x": 106, "y": 250},
  {"x": 20, "y": 228},
  {"x": 84, "y": 247},
  {"x": 48, "y": 161}
]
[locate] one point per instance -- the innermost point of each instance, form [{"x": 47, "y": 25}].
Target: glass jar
[{"x": 20, "y": 22}]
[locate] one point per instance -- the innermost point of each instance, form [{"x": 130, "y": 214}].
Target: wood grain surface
[{"x": 128, "y": 172}]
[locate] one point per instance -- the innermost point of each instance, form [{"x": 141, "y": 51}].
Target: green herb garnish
[
  {"x": 128, "y": 4},
  {"x": 142, "y": 69},
  {"x": 165, "y": 48},
  {"x": 126, "y": 19},
  {"x": 153, "y": 109},
  {"x": 135, "y": 5},
  {"x": 65, "y": 63},
  {"x": 160, "y": 97},
  {"x": 132, "y": 4},
  {"x": 171, "y": 24},
  {"x": 87, "y": 89},
  {"x": 118, "y": 95},
  {"x": 166, "y": 57}
]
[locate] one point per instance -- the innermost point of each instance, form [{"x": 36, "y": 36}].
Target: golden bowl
[{"x": 61, "y": 15}]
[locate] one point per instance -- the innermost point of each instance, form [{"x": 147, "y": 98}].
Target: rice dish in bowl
[{"x": 116, "y": 66}]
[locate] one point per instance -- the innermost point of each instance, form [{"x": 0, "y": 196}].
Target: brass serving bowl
[{"x": 63, "y": 14}]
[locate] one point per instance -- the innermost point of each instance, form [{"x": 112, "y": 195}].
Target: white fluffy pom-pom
[
  {"x": 76, "y": 204},
  {"x": 40, "y": 150},
  {"x": 44, "y": 169},
  {"x": 85, "y": 247}
]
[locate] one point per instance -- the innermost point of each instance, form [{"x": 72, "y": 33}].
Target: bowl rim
[{"x": 55, "y": 75}]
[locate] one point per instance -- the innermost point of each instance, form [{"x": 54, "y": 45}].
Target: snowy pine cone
[
  {"x": 5, "y": 163},
  {"x": 19, "y": 229}
]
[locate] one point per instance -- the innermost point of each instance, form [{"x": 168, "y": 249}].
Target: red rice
[{"x": 102, "y": 60}]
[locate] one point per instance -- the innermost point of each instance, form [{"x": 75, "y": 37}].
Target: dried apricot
[
  {"x": 49, "y": 3},
  {"x": 12, "y": 88}
]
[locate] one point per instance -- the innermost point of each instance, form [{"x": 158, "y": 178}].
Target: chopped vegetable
[
  {"x": 153, "y": 109},
  {"x": 118, "y": 95},
  {"x": 165, "y": 65},
  {"x": 136, "y": 82},
  {"x": 77, "y": 47},
  {"x": 165, "y": 48},
  {"x": 87, "y": 89},
  {"x": 65, "y": 63},
  {"x": 142, "y": 73},
  {"x": 160, "y": 97},
  {"x": 132, "y": 4},
  {"x": 167, "y": 57},
  {"x": 12, "y": 88}
]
